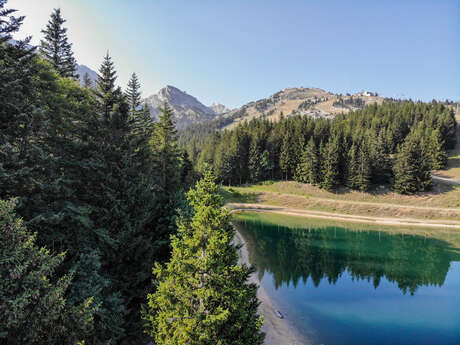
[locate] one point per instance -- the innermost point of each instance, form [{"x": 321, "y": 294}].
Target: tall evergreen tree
[
  {"x": 55, "y": 46},
  {"x": 34, "y": 309},
  {"x": 87, "y": 82},
  {"x": 308, "y": 168},
  {"x": 8, "y": 22},
  {"x": 166, "y": 150},
  {"x": 411, "y": 170},
  {"x": 438, "y": 156},
  {"x": 363, "y": 177},
  {"x": 255, "y": 155},
  {"x": 330, "y": 165},
  {"x": 133, "y": 93},
  {"x": 203, "y": 296},
  {"x": 105, "y": 91}
]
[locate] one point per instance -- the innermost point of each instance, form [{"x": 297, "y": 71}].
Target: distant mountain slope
[
  {"x": 82, "y": 69},
  {"x": 219, "y": 108},
  {"x": 187, "y": 109},
  {"x": 299, "y": 101}
]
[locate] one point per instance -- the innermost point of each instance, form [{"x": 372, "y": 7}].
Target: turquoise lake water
[{"x": 340, "y": 286}]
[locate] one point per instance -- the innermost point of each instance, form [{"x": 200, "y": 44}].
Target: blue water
[{"x": 340, "y": 286}]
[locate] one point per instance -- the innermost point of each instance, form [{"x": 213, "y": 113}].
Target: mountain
[
  {"x": 82, "y": 69},
  {"x": 219, "y": 108},
  {"x": 187, "y": 109},
  {"x": 312, "y": 102}
]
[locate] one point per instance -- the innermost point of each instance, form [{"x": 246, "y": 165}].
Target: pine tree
[
  {"x": 330, "y": 165},
  {"x": 379, "y": 158},
  {"x": 287, "y": 164},
  {"x": 203, "y": 296},
  {"x": 363, "y": 177},
  {"x": 352, "y": 168},
  {"x": 105, "y": 91},
  {"x": 266, "y": 164},
  {"x": 34, "y": 308},
  {"x": 166, "y": 151},
  {"x": 133, "y": 93},
  {"x": 8, "y": 22},
  {"x": 308, "y": 168},
  {"x": 255, "y": 168},
  {"x": 438, "y": 156},
  {"x": 55, "y": 46},
  {"x": 411, "y": 170},
  {"x": 87, "y": 82}
]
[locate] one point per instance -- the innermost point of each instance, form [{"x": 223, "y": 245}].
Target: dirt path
[
  {"x": 278, "y": 331},
  {"x": 445, "y": 179},
  {"x": 344, "y": 217}
]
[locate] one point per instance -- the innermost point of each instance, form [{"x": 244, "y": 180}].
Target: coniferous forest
[
  {"x": 92, "y": 191},
  {"x": 397, "y": 143},
  {"x": 112, "y": 228}
]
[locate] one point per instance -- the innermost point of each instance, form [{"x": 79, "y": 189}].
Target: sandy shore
[
  {"x": 289, "y": 211},
  {"x": 278, "y": 331}
]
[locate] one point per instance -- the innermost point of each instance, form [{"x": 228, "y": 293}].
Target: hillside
[{"x": 311, "y": 102}]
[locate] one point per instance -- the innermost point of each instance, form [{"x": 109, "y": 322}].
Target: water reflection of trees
[{"x": 294, "y": 255}]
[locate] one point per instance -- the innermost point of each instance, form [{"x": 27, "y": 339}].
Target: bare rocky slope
[
  {"x": 187, "y": 109},
  {"x": 312, "y": 102}
]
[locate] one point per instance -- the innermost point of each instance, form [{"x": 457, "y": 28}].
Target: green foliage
[
  {"x": 308, "y": 168},
  {"x": 83, "y": 170},
  {"x": 261, "y": 149},
  {"x": 203, "y": 296},
  {"x": 133, "y": 93},
  {"x": 34, "y": 309},
  {"x": 55, "y": 47},
  {"x": 411, "y": 168}
]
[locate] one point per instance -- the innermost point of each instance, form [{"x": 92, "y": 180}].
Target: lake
[{"x": 339, "y": 285}]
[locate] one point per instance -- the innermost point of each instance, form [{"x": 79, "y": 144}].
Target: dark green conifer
[
  {"x": 55, "y": 46},
  {"x": 330, "y": 165},
  {"x": 133, "y": 93},
  {"x": 34, "y": 309},
  {"x": 308, "y": 168}
]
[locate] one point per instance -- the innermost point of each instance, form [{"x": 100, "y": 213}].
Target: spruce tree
[
  {"x": 363, "y": 177},
  {"x": 266, "y": 164},
  {"x": 133, "y": 93},
  {"x": 105, "y": 90},
  {"x": 8, "y": 22},
  {"x": 330, "y": 165},
  {"x": 255, "y": 168},
  {"x": 203, "y": 296},
  {"x": 352, "y": 168},
  {"x": 308, "y": 168},
  {"x": 34, "y": 309},
  {"x": 411, "y": 170},
  {"x": 55, "y": 46},
  {"x": 166, "y": 151},
  {"x": 438, "y": 156},
  {"x": 87, "y": 82}
]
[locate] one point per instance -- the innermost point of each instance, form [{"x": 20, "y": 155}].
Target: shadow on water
[{"x": 293, "y": 256}]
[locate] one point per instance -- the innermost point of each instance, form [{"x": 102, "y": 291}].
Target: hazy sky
[{"x": 234, "y": 51}]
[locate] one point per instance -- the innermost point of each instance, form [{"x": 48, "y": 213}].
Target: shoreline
[
  {"x": 289, "y": 211},
  {"x": 277, "y": 331}
]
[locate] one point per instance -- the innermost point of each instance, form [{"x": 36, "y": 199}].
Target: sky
[{"x": 237, "y": 51}]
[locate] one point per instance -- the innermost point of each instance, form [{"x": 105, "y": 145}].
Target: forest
[
  {"x": 112, "y": 226},
  {"x": 93, "y": 195},
  {"x": 396, "y": 143}
]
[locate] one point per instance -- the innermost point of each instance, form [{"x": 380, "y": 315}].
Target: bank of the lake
[
  {"x": 357, "y": 284},
  {"x": 277, "y": 330}
]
